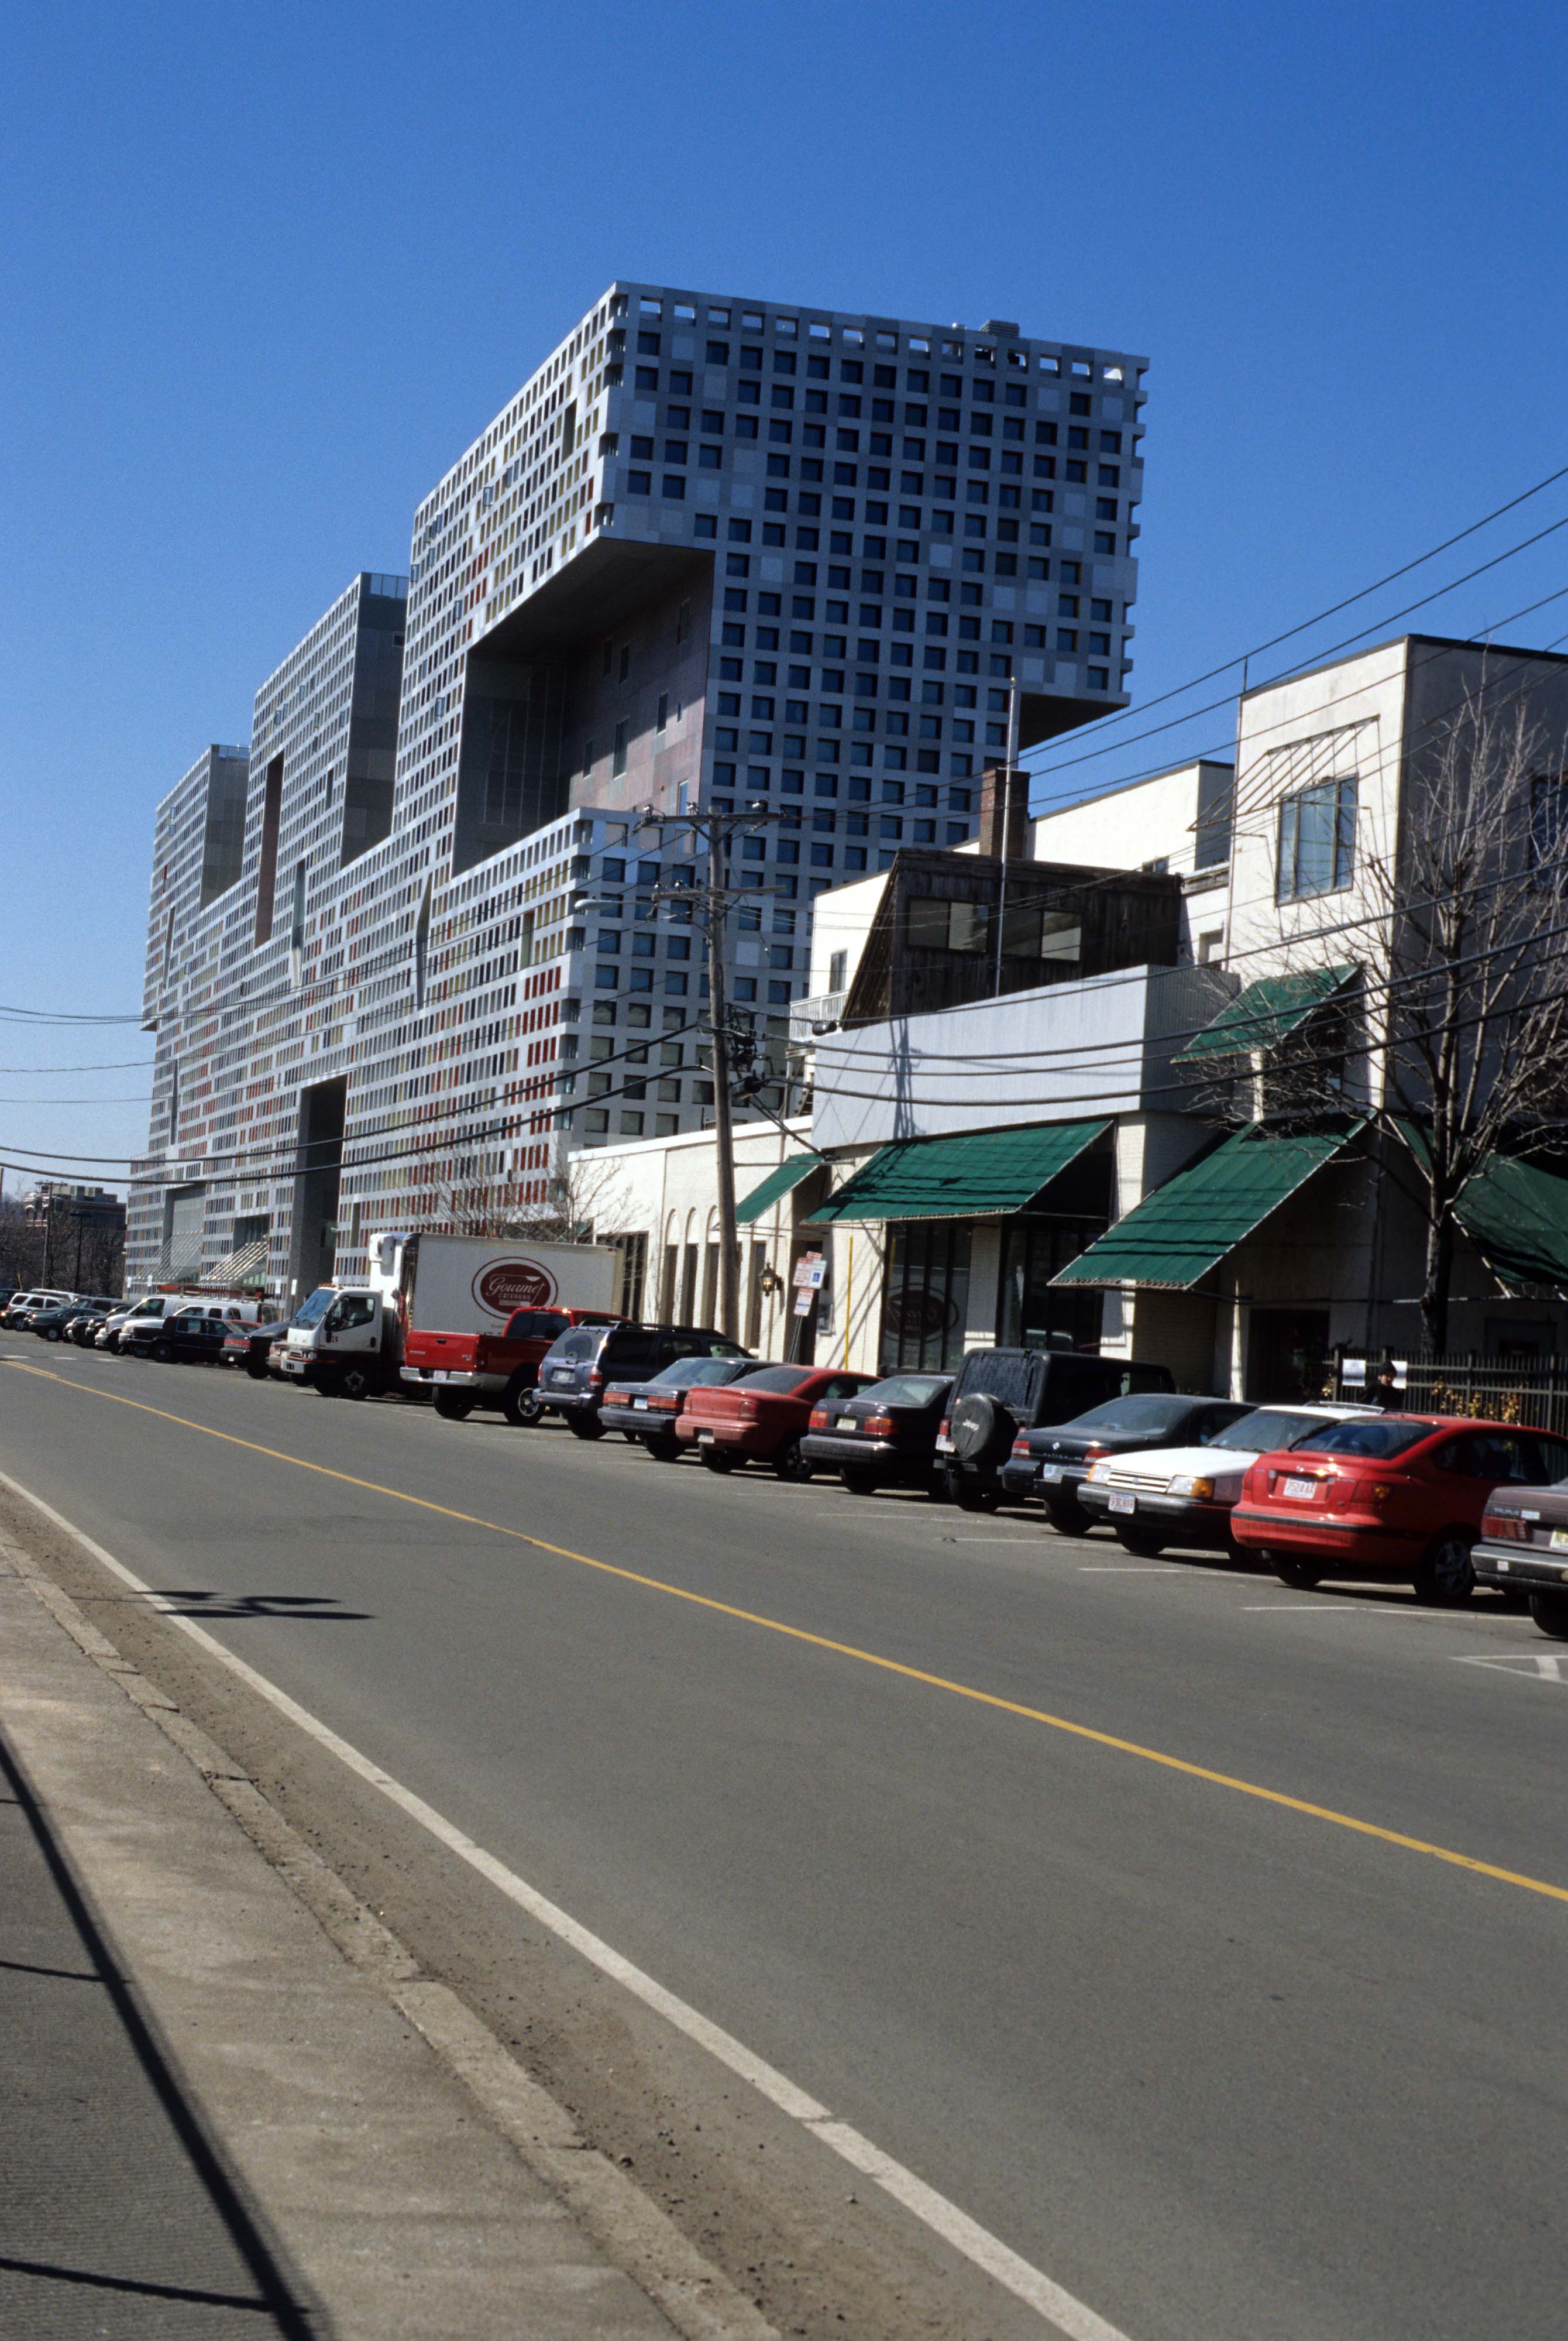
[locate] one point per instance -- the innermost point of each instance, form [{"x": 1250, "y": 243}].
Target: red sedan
[
  {"x": 1398, "y": 1496},
  {"x": 763, "y": 1418}
]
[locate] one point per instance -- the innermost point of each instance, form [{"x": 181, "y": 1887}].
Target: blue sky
[{"x": 270, "y": 271}]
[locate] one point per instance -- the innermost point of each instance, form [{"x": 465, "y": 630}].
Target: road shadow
[{"x": 204, "y": 1601}]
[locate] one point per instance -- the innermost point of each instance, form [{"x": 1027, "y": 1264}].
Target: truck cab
[{"x": 337, "y": 1342}]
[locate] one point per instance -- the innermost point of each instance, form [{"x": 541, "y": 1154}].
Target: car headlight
[
  {"x": 1203, "y": 1488},
  {"x": 1099, "y": 1470}
]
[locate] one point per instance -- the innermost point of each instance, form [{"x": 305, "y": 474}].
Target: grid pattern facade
[{"x": 713, "y": 552}]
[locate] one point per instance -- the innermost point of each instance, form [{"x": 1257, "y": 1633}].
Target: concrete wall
[{"x": 1127, "y": 828}]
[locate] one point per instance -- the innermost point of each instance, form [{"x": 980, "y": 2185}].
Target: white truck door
[{"x": 352, "y": 1323}]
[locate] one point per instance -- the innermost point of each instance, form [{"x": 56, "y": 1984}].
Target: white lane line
[
  {"x": 1071, "y": 2316},
  {"x": 1134, "y": 1568},
  {"x": 1310, "y": 1609},
  {"x": 1526, "y": 1666}
]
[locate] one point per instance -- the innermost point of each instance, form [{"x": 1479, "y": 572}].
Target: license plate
[
  {"x": 1560, "y": 1540},
  {"x": 705, "y": 1438},
  {"x": 1121, "y": 1504},
  {"x": 944, "y": 1446},
  {"x": 848, "y": 1422},
  {"x": 1051, "y": 1473},
  {"x": 562, "y": 1374},
  {"x": 640, "y": 1406},
  {"x": 438, "y": 1374},
  {"x": 1300, "y": 1491}
]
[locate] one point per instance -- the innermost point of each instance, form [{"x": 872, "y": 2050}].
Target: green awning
[
  {"x": 980, "y": 1174},
  {"x": 1262, "y": 1015},
  {"x": 1174, "y": 1236},
  {"x": 1516, "y": 1216},
  {"x": 779, "y": 1181}
]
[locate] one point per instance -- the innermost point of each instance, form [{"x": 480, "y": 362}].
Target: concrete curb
[{"x": 578, "y": 2283}]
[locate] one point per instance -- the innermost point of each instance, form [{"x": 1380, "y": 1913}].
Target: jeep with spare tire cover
[{"x": 1000, "y": 1392}]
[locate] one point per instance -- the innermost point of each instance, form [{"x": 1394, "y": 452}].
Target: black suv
[
  {"x": 1000, "y": 1392},
  {"x": 574, "y": 1371}
]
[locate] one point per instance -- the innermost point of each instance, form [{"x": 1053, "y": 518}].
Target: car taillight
[
  {"x": 819, "y": 1419},
  {"x": 944, "y": 1427},
  {"x": 1020, "y": 1444},
  {"x": 616, "y": 1397},
  {"x": 1095, "y": 1447},
  {"x": 879, "y": 1426},
  {"x": 595, "y": 1378},
  {"x": 1505, "y": 1528},
  {"x": 1361, "y": 1491},
  {"x": 747, "y": 1408},
  {"x": 670, "y": 1404}
]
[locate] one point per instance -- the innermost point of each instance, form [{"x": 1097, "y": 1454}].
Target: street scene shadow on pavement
[{"x": 116, "y": 2217}]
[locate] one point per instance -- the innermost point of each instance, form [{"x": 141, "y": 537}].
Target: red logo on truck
[{"x": 509, "y": 1284}]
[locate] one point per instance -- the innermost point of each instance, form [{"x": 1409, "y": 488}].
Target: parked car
[
  {"x": 190, "y": 1337},
  {"x": 156, "y": 1306},
  {"x": 1400, "y": 1496},
  {"x": 997, "y": 1393},
  {"x": 1053, "y": 1463},
  {"x": 578, "y": 1367},
  {"x": 251, "y": 1346},
  {"x": 495, "y": 1370},
  {"x": 764, "y": 1419},
  {"x": 85, "y": 1327},
  {"x": 54, "y": 1324},
  {"x": 1185, "y": 1495},
  {"x": 886, "y": 1437},
  {"x": 26, "y": 1306},
  {"x": 647, "y": 1411},
  {"x": 1523, "y": 1546}
]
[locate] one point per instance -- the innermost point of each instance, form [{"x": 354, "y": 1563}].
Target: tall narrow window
[
  {"x": 420, "y": 947},
  {"x": 267, "y": 869},
  {"x": 297, "y": 909},
  {"x": 621, "y": 733},
  {"x": 1316, "y": 841},
  {"x": 169, "y": 946},
  {"x": 174, "y": 1101},
  {"x": 683, "y": 621},
  {"x": 661, "y": 721}
]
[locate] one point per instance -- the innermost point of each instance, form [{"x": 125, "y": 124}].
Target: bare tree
[
  {"x": 1452, "y": 1035},
  {"x": 582, "y": 1204}
]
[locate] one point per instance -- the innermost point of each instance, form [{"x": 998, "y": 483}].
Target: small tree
[{"x": 1464, "y": 1010}]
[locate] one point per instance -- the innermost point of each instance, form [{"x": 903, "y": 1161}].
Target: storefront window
[
  {"x": 926, "y": 1295},
  {"x": 1027, "y": 1311}
]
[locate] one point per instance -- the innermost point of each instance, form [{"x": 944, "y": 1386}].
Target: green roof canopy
[
  {"x": 1174, "y": 1236},
  {"x": 1516, "y": 1216},
  {"x": 779, "y": 1181},
  {"x": 1262, "y": 1015},
  {"x": 980, "y": 1174}
]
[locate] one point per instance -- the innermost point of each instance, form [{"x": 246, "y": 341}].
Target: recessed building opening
[
  {"x": 267, "y": 870},
  {"x": 370, "y": 767},
  {"x": 323, "y": 1108},
  {"x": 509, "y": 779},
  {"x": 224, "y": 839},
  {"x": 185, "y": 1221}
]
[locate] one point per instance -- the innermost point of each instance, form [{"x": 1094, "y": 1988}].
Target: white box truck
[{"x": 425, "y": 1292}]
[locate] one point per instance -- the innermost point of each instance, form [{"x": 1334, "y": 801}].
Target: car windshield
[
  {"x": 1270, "y": 1428},
  {"x": 910, "y": 1389},
  {"x": 1382, "y": 1438},
  {"x": 777, "y": 1378},
  {"x": 1147, "y": 1413},
  {"x": 316, "y": 1307},
  {"x": 692, "y": 1370}
]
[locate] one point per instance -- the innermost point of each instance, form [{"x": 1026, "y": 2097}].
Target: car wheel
[
  {"x": 163, "y": 1353},
  {"x": 859, "y": 1483},
  {"x": 1550, "y": 1611},
  {"x": 258, "y": 1373},
  {"x": 1139, "y": 1542},
  {"x": 520, "y": 1405},
  {"x": 663, "y": 1450},
  {"x": 1069, "y": 1520},
  {"x": 969, "y": 1497},
  {"x": 718, "y": 1459},
  {"x": 1444, "y": 1575},
  {"x": 52, "y": 1333},
  {"x": 324, "y": 1386},
  {"x": 1299, "y": 1575},
  {"x": 585, "y": 1425},
  {"x": 354, "y": 1383},
  {"x": 791, "y": 1465},
  {"x": 453, "y": 1406}
]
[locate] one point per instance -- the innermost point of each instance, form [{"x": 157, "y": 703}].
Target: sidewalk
[{"x": 217, "y": 2124}]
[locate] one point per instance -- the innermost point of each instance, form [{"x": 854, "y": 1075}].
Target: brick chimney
[{"x": 1006, "y": 836}]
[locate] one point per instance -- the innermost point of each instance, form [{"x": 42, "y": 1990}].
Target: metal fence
[{"x": 1532, "y": 1390}]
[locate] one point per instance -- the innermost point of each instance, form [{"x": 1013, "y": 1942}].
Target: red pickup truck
[
  {"x": 494, "y": 1370},
  {"x": 762, "y": 1417}
]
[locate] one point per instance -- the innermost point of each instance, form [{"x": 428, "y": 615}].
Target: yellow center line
[{"x": 845, "y": 1649}]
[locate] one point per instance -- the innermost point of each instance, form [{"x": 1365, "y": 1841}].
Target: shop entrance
[{"x": 1287, "y": 1354}]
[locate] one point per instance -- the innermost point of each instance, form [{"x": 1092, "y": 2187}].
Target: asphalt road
[{"x": 1225, "y": 2068}]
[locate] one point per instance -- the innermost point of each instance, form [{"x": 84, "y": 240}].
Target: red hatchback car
[
  {"x": 1392, "y": 1495},
  {"x": 763, "y": 1418}
]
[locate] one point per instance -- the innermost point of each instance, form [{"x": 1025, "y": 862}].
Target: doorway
[{"x": 1287, "y": 1354}]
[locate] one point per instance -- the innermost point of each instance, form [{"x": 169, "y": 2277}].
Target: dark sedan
[
  {"x": 189, "y": 1339},
  {"x": 884, "y": 1437},
  {"x": 251, "y": 1347},
  {"x": 647, "y": 1411},
  {"x": 1054, "y": 1461}
]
